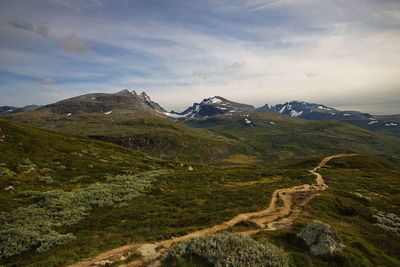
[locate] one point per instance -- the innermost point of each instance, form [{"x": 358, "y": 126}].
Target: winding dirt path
[{"x": 285, "y": 206}]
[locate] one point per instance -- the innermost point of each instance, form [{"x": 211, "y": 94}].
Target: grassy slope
[
  {"x": 225, "y": 140},
  {"x": 62, "y": 157},
  {"x": 350, "y": 216},
  {"x": 153, "y": 135},
  {"x": 293, "y": 137}
]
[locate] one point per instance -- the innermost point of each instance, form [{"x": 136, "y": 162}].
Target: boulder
[{"x": 321, "y": 239}]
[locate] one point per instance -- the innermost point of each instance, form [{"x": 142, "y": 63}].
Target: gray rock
[{"x": 321, "y": 239}]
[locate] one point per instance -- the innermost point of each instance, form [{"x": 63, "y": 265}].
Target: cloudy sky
[{"x": 342, "y": 53}]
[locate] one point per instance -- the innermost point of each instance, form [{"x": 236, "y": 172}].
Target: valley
[{"x": 118, "y": 182}]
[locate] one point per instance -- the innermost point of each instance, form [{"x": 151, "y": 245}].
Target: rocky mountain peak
[{"x": 212, "y": 106}]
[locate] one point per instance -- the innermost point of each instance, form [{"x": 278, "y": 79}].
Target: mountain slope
[
  {"x": 11, "y": 110},
  {"x": 384, "y": 124},
  {"x": 120, "y": 102},
  {"x": 145, "y": 131},
  {"x": 275, "y": 136},
  {"x": 31, "y": 153}
]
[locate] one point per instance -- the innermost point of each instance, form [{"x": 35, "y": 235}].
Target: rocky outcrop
[{"x": 321, "y": 239}]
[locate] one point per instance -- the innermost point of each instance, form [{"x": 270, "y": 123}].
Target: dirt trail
[{"x": 285, "y": 206}]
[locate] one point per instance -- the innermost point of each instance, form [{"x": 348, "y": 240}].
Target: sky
[{"x": 341, "y": 53}]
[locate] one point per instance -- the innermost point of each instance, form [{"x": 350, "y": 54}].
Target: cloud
[
  {"x": 190, "y": 57},
  {"x": 40, "y": 29},
  {"x": 391, "y": 16},
  {"x": 46, "y": 80},
  {"x": 311, "y": 74},
  {"x": 235, "y": 66},
  {"x": 78, "y": 6},
  {"x": 72, "y": 44},
  {"x": 268, "y": 4},
  {"x": 201, "y": 74}
]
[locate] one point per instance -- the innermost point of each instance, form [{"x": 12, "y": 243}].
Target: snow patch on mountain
[
  {"x": 173, "y": 115},
  {"x": 294, "y": 113}
]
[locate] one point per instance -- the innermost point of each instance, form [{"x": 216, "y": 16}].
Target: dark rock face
[
  {"x": 146, "y": 99},
  {"x": 321, "y": 239}
]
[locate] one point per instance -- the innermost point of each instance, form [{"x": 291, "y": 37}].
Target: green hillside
[
  {"x": 154, "y": 135},
  {"x": 269, "y": 138},
  {"x": 277, "y": 137}
]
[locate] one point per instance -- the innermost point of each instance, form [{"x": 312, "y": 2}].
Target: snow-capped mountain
[
  {"x": 212, "y": 106},
  {"x": 312, "y": 111},
  {"x": 305, "y": 110}
]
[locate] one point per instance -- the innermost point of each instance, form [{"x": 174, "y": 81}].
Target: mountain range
[
  {"x": 127, "y": 101},
  {"x": 215, "y": 129}
]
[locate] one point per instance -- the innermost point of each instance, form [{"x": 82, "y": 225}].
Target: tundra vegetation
[
  {"x": 181, "y": 201},
  {"x": 30, "y": 228}
]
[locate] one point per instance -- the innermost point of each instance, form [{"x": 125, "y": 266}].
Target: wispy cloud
[
  {"x": 200, "y": 73},
  {"x": 40, "y": 29},
  {"x": 46, "y": 80},
  {"x": 235, "y": 66},
  {"x": 71, "y": 43},
  {"x": 256, "y": 5}
]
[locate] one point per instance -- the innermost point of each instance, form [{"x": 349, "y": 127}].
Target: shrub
[
  {"x": 388, "y": 221},
  {"x": 4, "y": 171},
  {"x": 30, "y": 228},
  {"x": 45, "y": 179},
  {"x": 227, "y": 249}
]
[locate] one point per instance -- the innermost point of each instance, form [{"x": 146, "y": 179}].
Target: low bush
[
  {"x": 45, "y": 179},
  {"x": 4, "y": 171},
  {"x": 227, "y": 249},
  {"x": 30, "y": 228},
  {"x": 388, "y": 221}
]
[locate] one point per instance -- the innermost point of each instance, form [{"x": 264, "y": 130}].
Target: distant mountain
[
  {"x": 7, "y": 109},
  {"x": 312, "y": 111},
  {"x": 388, "y": 124},
  {"x": 210, "y": 107},
  {"x": 121, "y": 102},
  {"x": 266, "y": 107},
  {"x": 12, "y": 110},
  {"x": 305, "y": 110}
]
